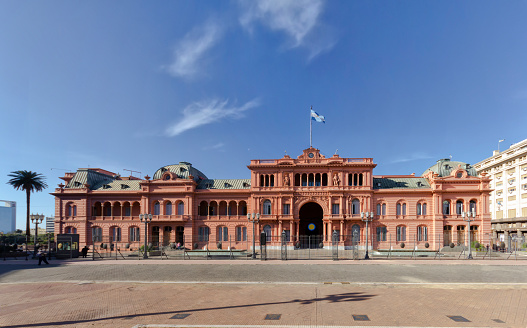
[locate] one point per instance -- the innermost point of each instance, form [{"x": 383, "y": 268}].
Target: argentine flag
[{"x": 316, "y": 117}]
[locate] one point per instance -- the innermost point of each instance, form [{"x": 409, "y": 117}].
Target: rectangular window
[
  {"x": 335, "y": 209},
  {"x": 512, "y": 213},
  {"x": 127, "y": 211},
  {"x": 424, "y": 209},
  {"x": 181, "y": 208},
  {"x": 404, "y": 209},
  {"x": 383, "y": 209},
  {"x": 381, "y": 233},
  {"x": 286, "y": 209},
  {"x": 97, "y": 234},
  {"x": 241, "y": 233},
  {"x": 223, "y": 234},
  {"x": 398, "y": 209},
  {"x": 401, "y": 233},
  {"x": 116, "y": 234},
  {"x": 203, "y": 233},
  {"x": 422, "y": 233},
  {"x": 418, "y": 209},
  {"x": 378, "y": 209},
  {"x": 134, "y": 234},
  {"x": 74, "y": 210}
]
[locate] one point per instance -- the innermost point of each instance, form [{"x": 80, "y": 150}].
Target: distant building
[
  {"x": 508, "y": 200},
  {"x": 7, "y": 216},
  {"x": 311, "y": 195},
  {"x": 50, "y": 224}
]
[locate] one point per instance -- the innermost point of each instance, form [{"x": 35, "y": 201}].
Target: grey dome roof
[
  {"x": 444, "y": 167},
  {"x": 183, "y": 170}
]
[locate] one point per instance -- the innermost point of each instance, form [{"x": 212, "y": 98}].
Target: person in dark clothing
[
  {"x": 84, "y": 251},
  {"x": 41, "y": 257}
]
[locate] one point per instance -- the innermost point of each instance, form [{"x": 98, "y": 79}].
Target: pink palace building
[{"x": 311, "y": 195}]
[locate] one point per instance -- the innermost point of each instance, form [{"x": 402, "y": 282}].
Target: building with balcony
[
  {"x": 508, "y": 199},
  {"x": 310, "y": 195}
]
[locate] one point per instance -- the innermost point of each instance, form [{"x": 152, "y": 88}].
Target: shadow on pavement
[{"x": 345, "y": 297}]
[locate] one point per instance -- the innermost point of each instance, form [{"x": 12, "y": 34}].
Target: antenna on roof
[
  {"x": 450, "y": 156},
  {"x": 54, "y": 168},
  {"x": 131, "y": 172},
  {"x": 336, "y": 151}
]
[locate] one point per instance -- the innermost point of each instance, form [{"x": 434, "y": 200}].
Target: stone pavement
[{"x": 156, "y": 293}]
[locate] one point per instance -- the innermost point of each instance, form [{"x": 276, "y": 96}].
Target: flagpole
[{"x": 310, "y": 129}]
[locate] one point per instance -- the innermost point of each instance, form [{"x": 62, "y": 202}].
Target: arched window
[
  {"x": 422, "y": 233},
  {"x": 156, "y": 208},
  {"x": 127, "y": 209},
  {"x": 134, "y": 234},
  {"x": 383, "y": 209},
  {"x": 267, "y": 180},
  {"x": 213, "y": 208},
  {"x": 96, "y": 233},
  {"x": 168, "y": 208},
  {"x": 324, "y": 179},
  {"x": 398, "y": 209},
  {"x": 446, "y": 207},
  {"x": 401, "y": 233},
  {"x": 401, "y": 209},
  {"x": 70, "y": 230},
  {"x": 180, "y": 208},
  {"x": 271, "y": 183},
  {"x": 242, "y": 207},
  {"x": 116, "y": 233},
  {"x": 424, "y": 208},
  {"x": 223, "y": 233},
  {"x": 360, "y": 179},
  {"x": 304, "y": 180},
  {"x": 378, "y": 209},
  {"x": 404, "y": 208},
  {"x": 419, "y": 209},
  {"x": 203, "y": 208},
  {"x": 68, "y": 210},
  {"x": 317, "y": 180},
  {"x": 459, "y": 207},
  {"x": 267, "y": 207},
  {"x": 355, "y": 206},
  {"x": 311, "y": 180},
  {"x": 262, "y": 180},
  {"x": 107, "y": 209},
  {"x": 267, "y": 230},
  {"x": 74, "y": 210},
  {"x": 355, "y": 233},
  {"x": 473, "y": 206},
  {"x": 297, "y": 179}
]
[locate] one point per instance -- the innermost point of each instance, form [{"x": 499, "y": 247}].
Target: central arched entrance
[{"x": 310, "y": 229}]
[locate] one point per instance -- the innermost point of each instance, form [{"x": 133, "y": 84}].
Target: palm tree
[{"x": 28, "y": 181}]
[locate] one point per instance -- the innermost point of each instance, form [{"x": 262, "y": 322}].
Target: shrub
[
  {"x": 142, "y": 248},
  {"x": 427, "y": 245},
  {"x": 452, "y": 245},
  {"x": 219, "y": 245},
  {"x": 402, "y": 245}
]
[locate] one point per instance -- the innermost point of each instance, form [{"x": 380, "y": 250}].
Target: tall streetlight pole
[
  {"x": 466, "y": 217},
  {"x": 254, "y": 218},
  {"x": 36, "y": 219},
  {"x": 145, "y": 218},
  {"x": 366, "y": 217}
]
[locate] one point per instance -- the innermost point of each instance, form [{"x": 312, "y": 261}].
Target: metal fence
[{"x": 335, "y": 247}]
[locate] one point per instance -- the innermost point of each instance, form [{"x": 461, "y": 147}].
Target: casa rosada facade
[{"x": 311, "y": 195}]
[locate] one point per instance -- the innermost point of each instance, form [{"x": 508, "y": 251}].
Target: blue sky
[{"x": 138, "y": 85}]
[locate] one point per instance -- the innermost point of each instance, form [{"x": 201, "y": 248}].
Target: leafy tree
[{"x": 30, "y": 182}]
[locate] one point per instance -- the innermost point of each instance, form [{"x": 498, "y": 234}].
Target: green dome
[
  {"x": 444, "y": 167},
  {"x": 183, "y": 170}
]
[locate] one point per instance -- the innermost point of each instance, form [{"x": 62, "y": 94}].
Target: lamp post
[
  {"x": 36, "y": 219},
  {"x": 467, "y": 217},
  {"x": 254, "y": 218},
  {"x": 145, "y": 218},
  {"x": 366, "y": 217}
]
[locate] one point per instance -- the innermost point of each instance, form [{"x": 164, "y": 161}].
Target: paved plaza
[{"x": 220, "y": 293}]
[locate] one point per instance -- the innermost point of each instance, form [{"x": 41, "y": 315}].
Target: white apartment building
[
  {"x": 508, "y": 200},
  {"x": 7, "y": 216}
]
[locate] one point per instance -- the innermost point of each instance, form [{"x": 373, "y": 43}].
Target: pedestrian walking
[{"x": 41, "y": 257}]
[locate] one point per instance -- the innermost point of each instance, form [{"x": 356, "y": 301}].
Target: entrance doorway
[
  {"x": 180, "y": 235},
  {"x": 310, "y": 228}
]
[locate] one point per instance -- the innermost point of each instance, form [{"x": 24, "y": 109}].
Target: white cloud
[
  {"x": 219, "y": 146},
  {"x": 296, "y": 18},
  {"x": 206, "y": 112},
  {"x": 412, "y": 157},
  {"x": 192, "y": 49}
]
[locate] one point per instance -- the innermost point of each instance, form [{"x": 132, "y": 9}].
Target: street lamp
[
  {"x": 466, "y": 217},
  {"x": 145, "y": 218},
  {"x": 36, "y": 219},
  {"x": 366, "y": 217},
  {"x": 254, "y": 218}
]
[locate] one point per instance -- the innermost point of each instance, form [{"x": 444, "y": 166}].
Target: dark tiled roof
[
  {"x": 183, "y": 170},
  {"x": 224, "y": 184},
  {"x": 400, "y": 183},
  {"x": 91, "y": 177}
]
